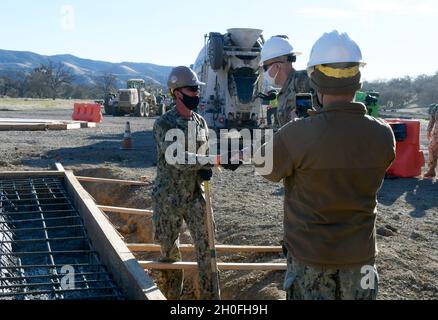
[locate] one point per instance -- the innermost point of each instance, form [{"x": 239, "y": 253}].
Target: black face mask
[{"x": 190, "y": 102}]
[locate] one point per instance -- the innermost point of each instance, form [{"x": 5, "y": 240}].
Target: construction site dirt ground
[{"x": 247, "y": 208}]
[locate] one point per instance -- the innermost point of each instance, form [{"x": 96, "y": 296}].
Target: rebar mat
[{"x": 45, "y": 253}]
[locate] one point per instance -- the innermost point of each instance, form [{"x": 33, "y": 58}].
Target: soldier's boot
[{"x": 430, "y": 174}]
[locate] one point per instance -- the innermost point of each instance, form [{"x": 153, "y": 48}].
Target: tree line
[
  {"x": 54, "y": 80},
  {"x": 401, "y": 92}
]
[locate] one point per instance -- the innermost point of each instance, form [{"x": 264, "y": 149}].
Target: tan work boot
[{"x": 430, "y": 174}]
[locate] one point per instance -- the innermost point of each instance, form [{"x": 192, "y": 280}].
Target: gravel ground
[{"x": 248, "y": 209}]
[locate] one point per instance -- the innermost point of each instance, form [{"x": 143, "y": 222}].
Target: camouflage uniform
[
  {"x": 432, "y": 131},
  {"x": 297, "y": 82},
  {"x": 303, "y": 282},
  {"x": 178, "y": 195}
]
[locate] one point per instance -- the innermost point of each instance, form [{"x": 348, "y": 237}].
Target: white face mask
[{"x": 269, "y": 79}]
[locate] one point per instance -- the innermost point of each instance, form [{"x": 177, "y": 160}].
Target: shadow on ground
[
  {"x": 106, "y": 150},
  {"x": 420, "y": 194}
]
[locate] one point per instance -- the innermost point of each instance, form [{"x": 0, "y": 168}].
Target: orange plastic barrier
[
  {"x": 409, "y": 159},
  {"x": 91, "y": 112}
]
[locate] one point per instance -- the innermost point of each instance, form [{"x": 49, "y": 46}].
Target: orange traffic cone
[{"x": 127, "y": 139}]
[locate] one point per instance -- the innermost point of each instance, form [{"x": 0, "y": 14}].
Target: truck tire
[
  {"x": 108, "y": 109},
  {"x": 147, "y": 110},
  {"x": 216, "y": 51},
  {"x": 139, "y": 110},
  {"x": 116, "y": 112}
]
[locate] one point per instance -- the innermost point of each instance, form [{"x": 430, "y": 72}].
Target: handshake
[{"x": 229, "y": 161}]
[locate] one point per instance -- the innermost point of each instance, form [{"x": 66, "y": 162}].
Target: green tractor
[{"x": 371, "y": 99}]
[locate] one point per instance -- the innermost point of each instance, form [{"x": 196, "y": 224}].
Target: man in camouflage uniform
[
  {"x": 432, "y": 136},
  {"x": 178, "y": 192},
  {"x": 331, "y": 181},
  {"x": 277, "y": 57}
]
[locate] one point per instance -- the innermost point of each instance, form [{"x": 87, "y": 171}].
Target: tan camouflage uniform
[
  {"x": 432, "y": 131},
  {"x": 178, "y": 195},
  {"x": 297, "y": 82}
]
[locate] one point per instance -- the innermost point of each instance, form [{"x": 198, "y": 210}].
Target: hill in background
[{"x": 85, "y": 71}]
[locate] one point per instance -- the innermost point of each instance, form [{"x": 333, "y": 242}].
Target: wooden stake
[{"x": 211, "y": 241}]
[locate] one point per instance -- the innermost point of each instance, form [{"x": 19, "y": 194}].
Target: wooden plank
[
  {"x": 24, "y": 120},
  {"x": 59, "y": 167},
  {"x": 85, "y": 124},
  {"x": 11, "y": 124},
  {"x": 138, "y": 212},
  {"x": 63, "y": 126},
  {"x": 25, "y": 174},
  {"x": 23, "y": 127},
  {"x": 112, "y": 181},
  {"x": 113, "y": 252},
  {"x": 88, "y": 125},
  {"x": 154, "y": 265},
  {"x": 149, "y": 247}
]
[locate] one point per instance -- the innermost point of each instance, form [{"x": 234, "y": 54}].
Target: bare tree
[
  {"x": 48, "y": 79},
  {"x": 106, "y": 83},
  {"x": 38, "y": 83},
  {"x": 57, "y": 75}
]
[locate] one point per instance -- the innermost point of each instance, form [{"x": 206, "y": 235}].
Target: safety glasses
[{"x": 267, "y": 66}]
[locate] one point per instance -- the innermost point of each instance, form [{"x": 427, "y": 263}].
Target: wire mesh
[{"x": 45, "y": 252}]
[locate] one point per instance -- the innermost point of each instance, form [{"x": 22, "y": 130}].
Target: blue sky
[{"x": 397, "y": 37}]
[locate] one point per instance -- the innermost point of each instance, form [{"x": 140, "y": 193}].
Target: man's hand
[
  {"x": 205, "y": 174},
  {"x": 235, "y": 160},
  {"x": 232, "y": 167}
]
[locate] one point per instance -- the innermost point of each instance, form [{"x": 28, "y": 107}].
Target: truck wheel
[
  {"x": 147, "y": 111},
  {"x": 216, "y": 51},
  {"x": 116, "y": 112},
  {"x": 139, "y": 110},
  {"x": 108, "y": 109}
]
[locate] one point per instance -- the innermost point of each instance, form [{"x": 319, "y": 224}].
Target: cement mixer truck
[{"x": 229, "y": 65}]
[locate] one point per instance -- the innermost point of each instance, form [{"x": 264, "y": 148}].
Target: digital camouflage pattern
[
  {"x": 432, "y": 132},
  {"x": 303, "y": 282},
  {"x": 178, "y": 195},
  {"x": 297, "y": 82}
]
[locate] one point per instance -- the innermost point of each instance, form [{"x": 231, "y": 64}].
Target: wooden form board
[
  {"x": 137, "y": 212},
  {"x": 149, "y": 247},
  {"x": 15, "y": 124},
  {"x": 150, "y": 265},
  {"x": 113, "y": 252},
  {"x": 113, "y": 181}
]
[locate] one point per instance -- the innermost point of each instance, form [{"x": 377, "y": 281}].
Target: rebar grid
[{"x": 45, "y": 252}]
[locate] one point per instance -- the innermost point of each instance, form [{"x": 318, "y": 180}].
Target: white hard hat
[
  {"x": 276, "y": 47},
  {"x": 334, "y": 47}
]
